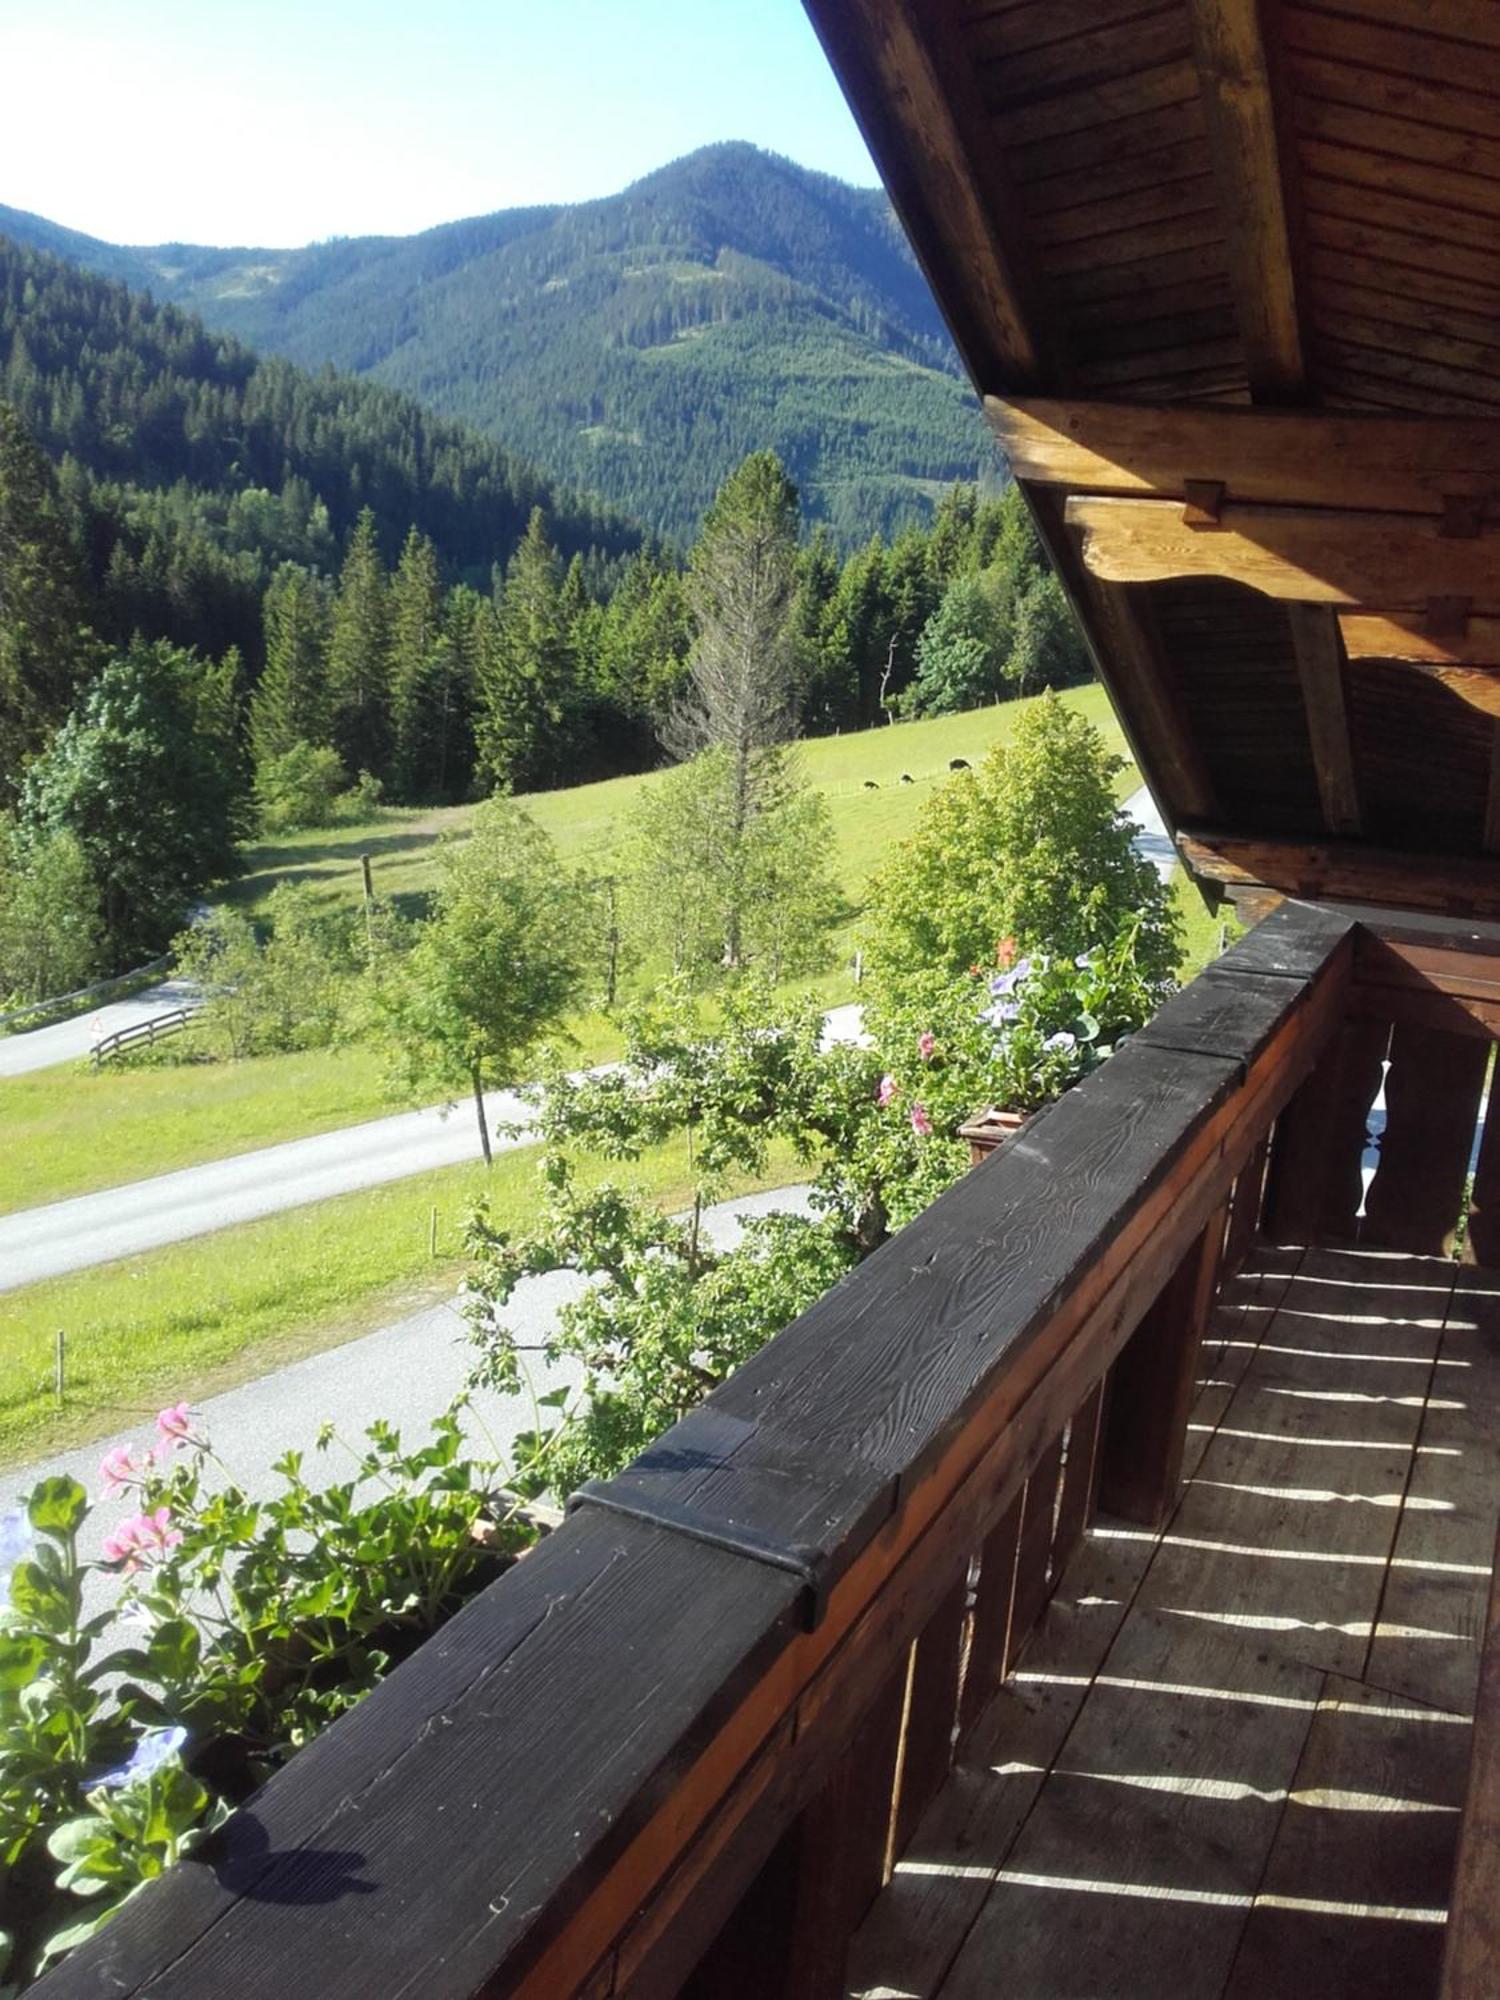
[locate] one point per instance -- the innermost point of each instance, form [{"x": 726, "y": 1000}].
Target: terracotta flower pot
[{"x": 989, "y": 1130}]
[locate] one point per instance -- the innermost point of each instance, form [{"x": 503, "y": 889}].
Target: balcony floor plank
[
  {"x": 1196, "y": 1780},
  {"x": 1431, "y": 1623}
]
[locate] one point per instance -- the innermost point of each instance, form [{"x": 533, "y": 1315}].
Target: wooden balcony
[{"x": 908, "y": 1664}]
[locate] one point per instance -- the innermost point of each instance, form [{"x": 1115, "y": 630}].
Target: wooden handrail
[{"x": 572, "y": 1786}]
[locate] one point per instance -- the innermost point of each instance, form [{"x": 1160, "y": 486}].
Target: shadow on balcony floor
[{"x": 1231, "y": 1760}]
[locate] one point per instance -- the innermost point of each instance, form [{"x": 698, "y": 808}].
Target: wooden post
[
  {"x": 1315, "y": 1183},
  {"x": 432, "y": 1233},
  {"x": 59, "y": 1366},
  {"x": 789, "y": 1938},
  {"x": 1244, "y": 1208},
  {"x": 1482, "y": 1238},
  {"x": 1432, "y": 1091},
  {"x": 1152, "y": 1387}
]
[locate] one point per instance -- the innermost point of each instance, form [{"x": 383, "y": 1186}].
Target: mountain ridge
[{"x": 637, "y": 345}]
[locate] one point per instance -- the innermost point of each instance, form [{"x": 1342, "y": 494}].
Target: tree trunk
[{"x": 484, "y": 1126}]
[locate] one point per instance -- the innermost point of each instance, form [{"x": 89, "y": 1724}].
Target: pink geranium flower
[
  {"x": 140, "y": 1538},
  {"x": 117, "y": 1470},
  {"x": 886, "y": 1091},
  {"x": 174, "y": 1426},
  {"x": 926, "y": 1043},
  {"x": 921, "y": 1124}
]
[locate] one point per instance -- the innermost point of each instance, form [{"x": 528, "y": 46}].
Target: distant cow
[
  {"x": 907, "y": 778},
  {"x": 871, "y": 786},
  {"x": 958, "y": 763}
]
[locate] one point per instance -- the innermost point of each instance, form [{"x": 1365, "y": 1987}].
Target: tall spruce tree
[
  {"x": 290, "y": 703},
  {"x": 46, "y": 650},
  {"x": 528, "y": 689},
  {"x": 417, "y": 672},
  {"x": 359, "y": 656}
]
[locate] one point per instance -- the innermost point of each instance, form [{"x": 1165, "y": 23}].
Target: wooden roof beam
[
  {"x": 1320, "y": 669},
  {"x": 1317, "y": 556},
  {"x": 921, "y": 115},
  {"x": 1299, "y": 458},
  {"x": 1255, "y": 193},
  {"x": 1456, "y": 885}
]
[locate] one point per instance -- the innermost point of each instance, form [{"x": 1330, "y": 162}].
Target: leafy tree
[
  {"x": 359, "y": 655},
  {"x": 50, "y": 933},
  {"x": 669, "y": 1312},
  {"x": 496, "y": 966},
  {"x": 964, "y": 652},
  {"x": 46, "y": 652},
  {"x": 290, "y": 703},
  {"x": 141, "y": 785},
  {"x": 1030, "y": 846},
  {"x": 299, "y": 788},
  {"x": 712, "y": 892},
  {"x": 264, "y": 999}
]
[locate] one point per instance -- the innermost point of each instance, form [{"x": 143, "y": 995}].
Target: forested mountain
[
  {"x": 637, "y": 346},
  {"x": 196, "y": 467}
]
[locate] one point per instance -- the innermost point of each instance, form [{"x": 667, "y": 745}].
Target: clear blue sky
[{"x": 281, "y": 121}]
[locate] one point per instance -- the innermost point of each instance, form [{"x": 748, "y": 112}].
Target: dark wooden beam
[
  {"x": 1129, "y": 659},
  {"x": 918, "y": 106},
  {"x": 1456, "y": 885},
  {"x": 1311, "y": 555},
  {"x": 1255, "y": 196},
  {"x": 1320, "y": 669},
  {"x": 1291, "y": 458}
]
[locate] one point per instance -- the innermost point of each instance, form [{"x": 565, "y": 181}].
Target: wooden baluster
[
  {"x": 1482, "y": 1238},
  {"x": 1080, "y": 1481},
  {"x": 1316, "y": 1183},
  {"x": 1244, "y": 1209},
  {"x": 789, "y": 1937},
  {"x": 931, "y": 1714},
  {"x": 989, "y": 1622},
  {"x": 1152, "y": 1388},
  {"x": 1432, "y": 1092},
  {"x": 1034, "y": 1550}
]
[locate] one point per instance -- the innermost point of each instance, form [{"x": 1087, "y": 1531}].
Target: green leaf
[
  {"x": 57, "y": 1506},
  {"x": 21, "y": 1658},
  {"x": 76, "y": 1839}
]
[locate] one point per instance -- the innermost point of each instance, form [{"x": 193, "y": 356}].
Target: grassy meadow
[
  {"x": 195, "y": 1316},
  {"x": 74, "y": 1130}
]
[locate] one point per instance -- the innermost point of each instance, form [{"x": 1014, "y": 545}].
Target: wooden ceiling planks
[{"x": 1213, "y": 219}]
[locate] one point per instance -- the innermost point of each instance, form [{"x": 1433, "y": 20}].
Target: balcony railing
[{"x": 677, "y": 1747}]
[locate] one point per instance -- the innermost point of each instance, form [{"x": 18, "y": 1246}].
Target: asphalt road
[
  {"x": 406, "y": 1374},
  {"x": 89, "y": 1229},
  {"x": 72, "y": 1041}
]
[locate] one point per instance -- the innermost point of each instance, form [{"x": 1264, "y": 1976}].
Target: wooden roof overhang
[{"x": 1227, "y": 276}]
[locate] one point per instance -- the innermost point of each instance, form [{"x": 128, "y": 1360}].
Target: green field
[
  {"x": 73, "y": 1130},
  {"x": 585, "y": 821},
  {"x": 195, "y": 1317}
]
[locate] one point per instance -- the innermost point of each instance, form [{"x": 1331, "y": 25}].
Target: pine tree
[
  {"x": 416, "y": 674},
  {"x": 290, "y": 703},
  {"x": 528, "y": 688},
  {"x": 359, "y": 656},
  {"x": 741, "y": 698},
  {"x": 46, "y": 651}
]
